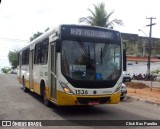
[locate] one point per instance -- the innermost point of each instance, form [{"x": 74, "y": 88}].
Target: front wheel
[
  {"x": 122, "y": 98},
  {"x": 45, "y": 99}
]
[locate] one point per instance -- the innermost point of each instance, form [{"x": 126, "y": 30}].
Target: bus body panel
[
  {"x": 40, "y": 72},
  {"x": 25, "y": 75}
]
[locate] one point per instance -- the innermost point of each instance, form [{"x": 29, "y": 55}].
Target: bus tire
[
  {"x": 45, "y": 99},
  {"x": 25, "y": 89},
  {"x": 122, "y": 98}
]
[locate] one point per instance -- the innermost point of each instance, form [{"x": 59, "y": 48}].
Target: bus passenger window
[
  {"x": 41, "y": 52},
  {"x": 25, "y": 57}
]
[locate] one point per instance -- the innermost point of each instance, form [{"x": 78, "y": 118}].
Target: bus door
[
  {"x": 53, "y": 71},
  {"x": 31, "y": 53}
]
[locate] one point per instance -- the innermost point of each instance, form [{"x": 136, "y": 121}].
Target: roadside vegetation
[
  {"x": 13, "y": 59},
  {"x": 5, "y": 69}
]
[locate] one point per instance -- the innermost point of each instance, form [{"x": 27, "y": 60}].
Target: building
[
  {"x": 137, "y": 53},
  {"x": 138, "y": 46},
  {"x": 137, "y": 65}
]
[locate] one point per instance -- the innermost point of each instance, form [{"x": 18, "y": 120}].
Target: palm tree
[{"x": 100, "y": 17}]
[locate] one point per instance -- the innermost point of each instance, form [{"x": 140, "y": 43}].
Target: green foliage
[
  {"x": 12, "y": 57},
  {"x": 156, "y": 71},
  {"x": 5, "y": 69},
  {"x": 35, "y": 36},
  {"x": 99, "y": 17}
]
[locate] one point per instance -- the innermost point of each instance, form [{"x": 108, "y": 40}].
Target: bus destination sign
[
  {"x": 88, "y": 32},
  {"x": 91, "y": 33}
]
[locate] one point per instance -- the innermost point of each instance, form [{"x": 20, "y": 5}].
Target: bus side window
[
  {"x": 25, "y": 57},
  {"x": 37, "y": 56},
  {"x": 41, "y": 52},
  {"x": 45, "y": 51}
]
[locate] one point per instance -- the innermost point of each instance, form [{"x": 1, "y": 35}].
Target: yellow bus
[{"x": 73, "y": 65}]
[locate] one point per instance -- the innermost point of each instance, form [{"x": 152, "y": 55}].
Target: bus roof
[{"x": 53, "y": 30}]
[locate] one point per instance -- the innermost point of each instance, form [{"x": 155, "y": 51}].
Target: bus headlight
[{"x": 65, "y": 88}]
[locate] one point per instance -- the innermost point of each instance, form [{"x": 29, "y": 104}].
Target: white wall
[{"x": 141, "y": 67}]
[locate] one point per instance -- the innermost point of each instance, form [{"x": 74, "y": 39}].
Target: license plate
[{"x": 93, "y": 103}]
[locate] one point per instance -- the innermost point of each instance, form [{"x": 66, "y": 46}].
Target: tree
[
  {"x": 5, "y": 69},
  {"x": 12, "y": 57},
  {"x": 35, "y": 36},
  {"x": 99, "y": 17}
]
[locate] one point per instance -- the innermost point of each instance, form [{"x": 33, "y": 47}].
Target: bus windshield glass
[{"x": 91, "y": 61}]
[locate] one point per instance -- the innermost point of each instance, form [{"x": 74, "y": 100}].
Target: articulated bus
[{"x": 73, "y": 65}]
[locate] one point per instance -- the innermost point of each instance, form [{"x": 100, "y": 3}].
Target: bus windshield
[{"x": 90, "y": 60}]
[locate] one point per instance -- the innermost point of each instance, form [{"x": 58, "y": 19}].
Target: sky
[{"x": 20, "y": 19}]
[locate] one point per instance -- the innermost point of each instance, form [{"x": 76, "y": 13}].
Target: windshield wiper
[
  {"x": 85, "y": 49},
  {"x": 103, "y": 51}
]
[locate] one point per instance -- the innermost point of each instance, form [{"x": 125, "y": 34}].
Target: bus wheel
[
  {"x": 45, "y": 99},
  {"x": 24, "y": 87}
]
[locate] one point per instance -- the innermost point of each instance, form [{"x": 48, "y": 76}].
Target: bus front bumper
[{"x": 64, "y": 99}]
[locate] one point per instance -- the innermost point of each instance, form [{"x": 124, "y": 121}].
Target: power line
[{"x": 15, "y": 40}]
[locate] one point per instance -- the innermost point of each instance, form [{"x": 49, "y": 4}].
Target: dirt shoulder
[{"x": 141, "y": 91}]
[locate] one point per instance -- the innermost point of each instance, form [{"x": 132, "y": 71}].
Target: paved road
[{"x": 17, "y": 105}]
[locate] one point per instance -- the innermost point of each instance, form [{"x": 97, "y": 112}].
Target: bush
[{"x": 5, "y": 69}]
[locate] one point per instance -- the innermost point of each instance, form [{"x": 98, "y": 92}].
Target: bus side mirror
[
  {"x": 124, "y": 60},
  {"x": 58, "y": 45}
]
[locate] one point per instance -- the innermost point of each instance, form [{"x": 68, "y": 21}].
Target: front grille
[{"x": 101, "y": 100}]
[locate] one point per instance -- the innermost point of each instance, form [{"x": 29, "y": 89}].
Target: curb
[{"x": 142, "y": 100}]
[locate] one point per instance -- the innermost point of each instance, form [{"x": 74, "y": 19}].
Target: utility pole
[{"x": 149, "y": 44}]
